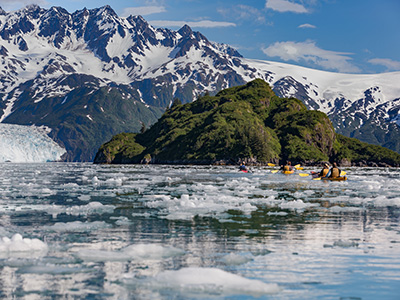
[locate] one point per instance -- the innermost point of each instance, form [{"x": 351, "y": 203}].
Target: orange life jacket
[
  {"x": 335, "y": 172},
  {"x": 287, "y": 168},
  {"x": 324, "y": 172}
]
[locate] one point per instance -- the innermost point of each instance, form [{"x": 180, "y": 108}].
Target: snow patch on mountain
[{"x": 326, "y": 87}]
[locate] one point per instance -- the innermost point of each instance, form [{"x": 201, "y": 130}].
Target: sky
[{"x": 346, "y": 36}]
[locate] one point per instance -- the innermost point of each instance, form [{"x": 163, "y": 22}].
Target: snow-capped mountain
[{"x": 92, "y": 74}]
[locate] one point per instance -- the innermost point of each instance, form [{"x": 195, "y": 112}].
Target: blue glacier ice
[{"x": 27, "y": 144}]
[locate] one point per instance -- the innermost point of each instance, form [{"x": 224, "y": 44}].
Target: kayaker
[
  {"x": 243, "y": 167},
  {"x": 335, "y": 171},
  {"x": 288, "y": 167},
  {"x": 324, "y": 172}
]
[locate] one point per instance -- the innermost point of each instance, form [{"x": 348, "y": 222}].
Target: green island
[{"x": 244, "y": 123}]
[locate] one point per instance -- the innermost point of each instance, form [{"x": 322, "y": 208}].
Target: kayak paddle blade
[{"x": 304, "y": 174}]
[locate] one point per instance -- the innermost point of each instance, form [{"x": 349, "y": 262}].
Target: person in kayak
[
  {"x": 324, "y": 172},
  {"x": 288, "y": 167},
  {"x": 334, "y": 171},
  {"x": 243, "y": 167}
]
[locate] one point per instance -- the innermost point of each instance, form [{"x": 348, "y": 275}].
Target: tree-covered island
[{"x": 248, "y": 123}]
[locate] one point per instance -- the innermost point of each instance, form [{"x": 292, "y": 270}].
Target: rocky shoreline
[{"x": 253, "y": 162}]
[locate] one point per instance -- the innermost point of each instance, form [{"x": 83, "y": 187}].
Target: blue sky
[{"x": 350, "y": 36}]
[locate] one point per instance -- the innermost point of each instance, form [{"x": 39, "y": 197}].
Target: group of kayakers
[{"x": 326, "y": 172}]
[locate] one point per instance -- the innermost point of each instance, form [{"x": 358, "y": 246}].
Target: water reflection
[{"x": 113, "y": 231}]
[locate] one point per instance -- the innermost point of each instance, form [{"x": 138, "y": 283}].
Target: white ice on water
[
  {"x": 27, "y": 144},
  {"x": 138, "y": 252},
  {"x": 207, "y": 281},
  {"x": 107, "y": 214},
  {"x": 19, "y": 247}
]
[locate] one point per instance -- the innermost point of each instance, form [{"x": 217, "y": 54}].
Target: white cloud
[
  {"x": 9, "y": 5},
  {"x": 307, "y": 26},
  {"x": 243, "y": 12},
  {"x": 143, "y": 10},
  {"x": 203, "y": 24},
  {"x": 391, "y": 65},
  {"x": 310, "y": 53},
  {"x": 285, "y": 6}
]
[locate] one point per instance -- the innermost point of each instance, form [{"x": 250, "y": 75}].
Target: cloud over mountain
[{"x": 310, "y": 52}]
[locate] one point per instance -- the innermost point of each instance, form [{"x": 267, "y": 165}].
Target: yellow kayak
[
  {"x": 342, "y": 178},
  {"x": 288, "y": 172}
]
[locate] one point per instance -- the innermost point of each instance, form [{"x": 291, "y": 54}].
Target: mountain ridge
[{"x": 50, "y": 54}]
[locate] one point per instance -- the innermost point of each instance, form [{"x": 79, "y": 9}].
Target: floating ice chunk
[
  {"x": 382, "y": 201},
  {"x": 78, "y": 226},
  {"x": 92, "y": 207},
  {"x": 133, "y": 252},
  {"x": 204, "y": 281},
  {"x": 233, "y": 259},
  {"x": 122, "y": 221},
  {"x": 152, "y": 251},
  {"x": 297, "y": 205},
  {"x": 248, "y": 208},
  {"x": 19, "y": 247},
  {"x": 95, "y": 180},
  {"x": 84, "y": 197}
]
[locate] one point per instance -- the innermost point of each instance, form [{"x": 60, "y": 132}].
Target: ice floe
[
  {"x": 19, "y": 247},
  {"x": 204, "y": 281}
]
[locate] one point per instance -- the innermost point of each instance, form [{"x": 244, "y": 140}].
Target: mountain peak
[
  {"x": 106, "y": 10},
  {"x": 2, "y": 12},
  {"x": 31, "y": 8},
  {"x": 185, "y": 30},
  {"x": 138, "y": 21}
]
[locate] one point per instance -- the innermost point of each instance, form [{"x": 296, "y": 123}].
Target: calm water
[{"x": 83, "y": 231}]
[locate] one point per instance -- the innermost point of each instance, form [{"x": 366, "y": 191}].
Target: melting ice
[
  {"x": 27, "y": 144},
  {"x": 83, "y": 231}
]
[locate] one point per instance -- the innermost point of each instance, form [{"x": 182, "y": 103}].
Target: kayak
[
  {"x": 288, "y": 172},
  {"x": 342, "y": 178},
  {"x": 244, "y": 171}
]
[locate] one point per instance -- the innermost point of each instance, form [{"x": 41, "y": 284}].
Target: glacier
[{"x": 28, "y": 144}]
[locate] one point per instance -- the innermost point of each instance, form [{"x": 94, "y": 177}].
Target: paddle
[
  {"x": 304, "y": 174},
  {"x": 276, "y": 171}
]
